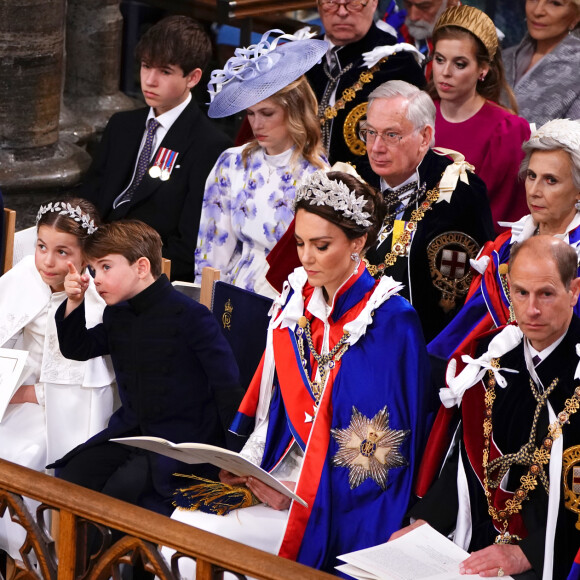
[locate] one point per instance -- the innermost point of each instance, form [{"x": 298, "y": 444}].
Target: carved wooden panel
[{"x": 53, "y": 545}]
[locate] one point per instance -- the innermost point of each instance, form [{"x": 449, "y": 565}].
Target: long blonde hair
[{"x": 300, "y": 108}]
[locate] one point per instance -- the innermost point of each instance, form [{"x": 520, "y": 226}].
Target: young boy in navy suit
[
  {"x": 176, "y": 374},
  {"x": 152, "y": 162}
]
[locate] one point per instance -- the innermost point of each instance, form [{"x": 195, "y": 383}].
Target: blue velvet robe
[{"x": 386, "y": 367}]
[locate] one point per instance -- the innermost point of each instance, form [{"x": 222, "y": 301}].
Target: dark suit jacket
[
  {"x": 172, "y": 207},
  {"x": 513, "y": 411},
  {"x": 401, "y": 66},
  {"x": 467, "y": 213},
  {"x": 176, "y": 374}
]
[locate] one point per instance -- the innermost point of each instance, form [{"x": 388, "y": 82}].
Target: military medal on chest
[{"x": 164, "y": 164}]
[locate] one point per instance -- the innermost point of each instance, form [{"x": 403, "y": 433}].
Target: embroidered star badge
[{"x": 369, "y": 448}]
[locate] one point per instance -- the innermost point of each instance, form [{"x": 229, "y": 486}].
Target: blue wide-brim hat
[{"x": 261, "y": 70}]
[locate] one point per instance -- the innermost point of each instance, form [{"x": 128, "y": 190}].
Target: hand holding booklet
[
  {"x": 202, "y": 453},
  {"x": 423, "y": 554}
]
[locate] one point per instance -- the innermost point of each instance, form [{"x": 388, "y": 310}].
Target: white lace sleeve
[
  {"x": 288, "y": 469},
  {"x": 253, "y": 450},
  {"x": 39, "y": 390}
]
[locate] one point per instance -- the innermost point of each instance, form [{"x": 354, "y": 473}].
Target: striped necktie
[{"x": 144, "y": 159}]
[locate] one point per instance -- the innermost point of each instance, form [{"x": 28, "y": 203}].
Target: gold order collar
[
  {"x": 473, "y": 20},
  {"x": 401, "y": 245},
  {"x": 502, "y": 273},
  {"x": 540, "y": 456},
  {"x": 366, "y": 76}
]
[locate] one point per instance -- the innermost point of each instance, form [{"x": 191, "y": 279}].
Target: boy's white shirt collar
[{"x": 167, "y": 119}]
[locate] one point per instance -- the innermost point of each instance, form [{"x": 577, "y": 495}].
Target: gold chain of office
[
  {"x": 366, "y": 76},
  {"x": 539, "y": 457},
  {"x": 401, "y": 245}
]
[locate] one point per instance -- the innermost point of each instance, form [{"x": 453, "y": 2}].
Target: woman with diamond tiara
[
  {"x": 57, "y": 403},
  {"x": 338, "y": 408},
  {"x": 247, "y": 204}
]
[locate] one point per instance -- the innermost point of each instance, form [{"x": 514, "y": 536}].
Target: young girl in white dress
[{"x": 58, "y": 403}]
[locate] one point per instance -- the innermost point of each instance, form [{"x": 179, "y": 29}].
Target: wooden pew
[
  {"x": 7, "y": 243},
  {"x": 145, "y": 531}
]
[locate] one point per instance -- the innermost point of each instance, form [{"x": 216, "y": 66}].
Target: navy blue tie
[{"x": 143, "y": 163}]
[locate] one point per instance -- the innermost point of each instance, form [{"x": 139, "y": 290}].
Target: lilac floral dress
[{"x": 246, "y": 210}]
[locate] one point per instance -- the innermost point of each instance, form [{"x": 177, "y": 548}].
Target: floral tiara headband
[
  {"x": 318, "y": 189},
  {"x": 67, "y": 209},
  {"x": 564, "y": 131}
]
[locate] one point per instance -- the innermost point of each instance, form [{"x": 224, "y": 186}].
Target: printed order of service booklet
[
  {"x": 421, "y": 554},
  {"x": 202, "y": 453}
]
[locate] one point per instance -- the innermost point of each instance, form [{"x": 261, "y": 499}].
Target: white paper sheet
[{"x": 422, "y": 554}]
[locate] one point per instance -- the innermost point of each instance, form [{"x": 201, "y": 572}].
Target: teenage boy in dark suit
[{"x": 153, "y": 162}]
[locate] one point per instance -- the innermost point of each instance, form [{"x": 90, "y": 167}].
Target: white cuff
[{"x": 39, "y": 390}]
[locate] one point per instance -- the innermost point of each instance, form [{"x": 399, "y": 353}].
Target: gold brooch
[
  {"x": 227, "y": 315},
  {"x": 571, "y": 477},
  {"x": 449, "y": 258}
]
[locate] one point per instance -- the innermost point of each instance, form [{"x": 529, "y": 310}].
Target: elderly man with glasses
[
  {"x": 343, "y": 79},
  {"x": 437, "y": 216}
]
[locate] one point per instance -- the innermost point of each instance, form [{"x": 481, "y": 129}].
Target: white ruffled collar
[
  {"x": 294, "y": 308},
  {"x": 526, "y": 226}
]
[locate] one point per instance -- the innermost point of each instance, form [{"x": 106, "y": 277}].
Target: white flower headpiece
[
  {"x": 318, "y": 189},
  {"x": 248, "y": 63},
  {"x": 564, "y": 131},
  {"x": 67, "y": 209}
]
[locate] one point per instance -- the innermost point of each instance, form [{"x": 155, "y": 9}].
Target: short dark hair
[
  {"x": 131, "y": 239},
  {"x": 374, "y": 205},
  {"x": 175, "y": 40},
  {"x": 66, "y": 223},
  {"x": 564, "y": 256}
]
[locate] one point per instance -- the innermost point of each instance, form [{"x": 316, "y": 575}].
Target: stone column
[
  {"x": 31, "y": 68},
  {"x": 94, "y": 30}
]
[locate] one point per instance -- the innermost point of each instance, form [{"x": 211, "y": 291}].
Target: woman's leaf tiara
[{"x": 318, "y": 189}]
